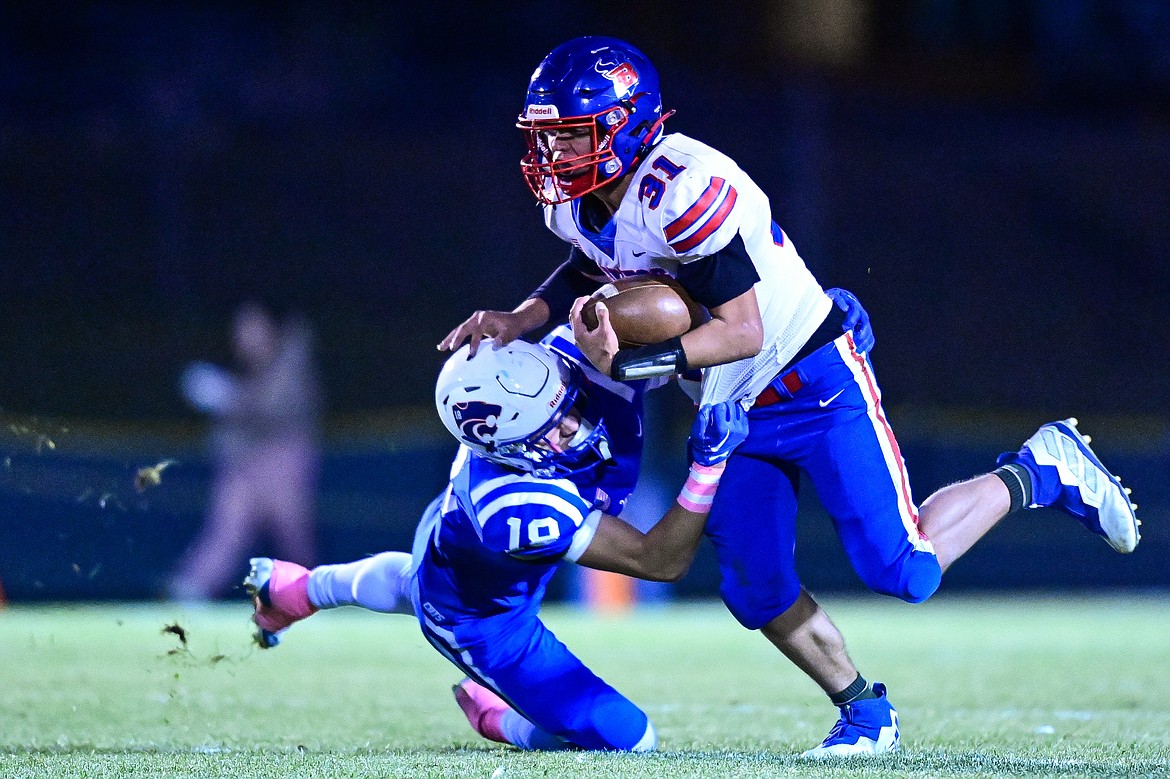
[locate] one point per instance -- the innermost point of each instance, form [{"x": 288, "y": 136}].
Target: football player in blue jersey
[
  {"x": 550, "y": 452},
  {"x": 629, "y": 199}
]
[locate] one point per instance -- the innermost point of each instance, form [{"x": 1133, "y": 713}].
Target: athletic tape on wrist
[
  {"x": 644, "y": 362},
  {"x": 698, "y": 493}
]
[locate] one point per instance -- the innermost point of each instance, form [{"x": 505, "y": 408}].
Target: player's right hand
[
  {"x": 600, "y": 344},
  {"x": 501, "y": 326}
]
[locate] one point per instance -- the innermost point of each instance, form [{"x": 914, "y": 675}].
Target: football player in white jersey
[
  {"x": 550, "y": 452},
  {"x": 631, "y": 199}
]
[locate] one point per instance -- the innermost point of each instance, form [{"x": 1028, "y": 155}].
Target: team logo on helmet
[
  {"x": 478, "y": 421},
  {"x": 623, "y": 76}
]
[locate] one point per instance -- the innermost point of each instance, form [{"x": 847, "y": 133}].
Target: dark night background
[{"x": 989, "y": 177}]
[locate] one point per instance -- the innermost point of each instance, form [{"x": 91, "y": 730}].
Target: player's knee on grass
[
  {"x": 649, "y": 740},
  {"x": 914, "y": 577},
  {"x": 548, "y": 687},
  {"x": 523, "y": 734},
  {"x": 643, "y": 740},
  {"x": 616, "y": 723},
  {"x": 611, "y": 723}
]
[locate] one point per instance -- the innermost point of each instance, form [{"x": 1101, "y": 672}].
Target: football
[{"x": 645, "y": 309}]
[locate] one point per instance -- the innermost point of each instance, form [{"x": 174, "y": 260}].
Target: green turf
[{"x": 985, "y": 686}]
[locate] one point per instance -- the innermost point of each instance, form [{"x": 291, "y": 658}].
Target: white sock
[
  {"x": 522, "y": 733},
  {"x": 378, "y": 583}
]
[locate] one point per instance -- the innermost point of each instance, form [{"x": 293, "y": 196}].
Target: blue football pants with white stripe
[{"x": 834, "y": 428}]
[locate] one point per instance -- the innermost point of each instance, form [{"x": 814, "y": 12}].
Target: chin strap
[{"x": 648, "y": 138}]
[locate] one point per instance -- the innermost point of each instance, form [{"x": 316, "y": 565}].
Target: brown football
[{"x": 645, "y": 309}]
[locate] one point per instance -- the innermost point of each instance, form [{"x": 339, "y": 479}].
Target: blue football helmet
[
  {"x": 603, "y": 88},
  {"x": 504, "y": 402}
]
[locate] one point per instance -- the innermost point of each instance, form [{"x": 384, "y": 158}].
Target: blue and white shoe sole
[
  {"x": 1116, "y": 514},
  {"x": 885, "y": 741}
]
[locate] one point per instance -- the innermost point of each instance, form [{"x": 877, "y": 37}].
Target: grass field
[{"x": 985, "y": 686}]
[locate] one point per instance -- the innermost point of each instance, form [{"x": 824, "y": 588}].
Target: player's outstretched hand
[
  {"x": 856, "y": 318},
  {"x": 717, "y": 430},
  {"x": 209, "y": 388},
  {"x": 600, "y": 344},
  {"x": 501, "y": 326}
]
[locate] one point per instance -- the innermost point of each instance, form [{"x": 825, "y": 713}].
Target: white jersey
[{"x": 689, "y": 201}]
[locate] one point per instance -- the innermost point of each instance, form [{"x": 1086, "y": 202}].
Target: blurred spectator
[{"x": 265, "y": 450}]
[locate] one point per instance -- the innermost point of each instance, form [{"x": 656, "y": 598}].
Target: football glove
[
  {"x": 716, "y": 431},
  {"x": 856, "y": 318}
]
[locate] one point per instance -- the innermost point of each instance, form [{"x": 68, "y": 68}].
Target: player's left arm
[
  {"x": 665, "y": 552},
  {"x": 734, "y": 331},
  {"x": 724, "y": 282}
]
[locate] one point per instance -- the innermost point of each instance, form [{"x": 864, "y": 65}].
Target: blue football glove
[
  {"x": 717, "y": 430},
  {"x": 856, "y": 318}
]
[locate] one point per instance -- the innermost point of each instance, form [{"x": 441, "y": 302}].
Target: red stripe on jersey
[
  {"x": 712, "y": 225},
  {"x": 692, "y": 214}
]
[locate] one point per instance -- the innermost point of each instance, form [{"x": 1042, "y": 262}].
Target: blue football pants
[
  {"x": 521, "y": 660},
  {"x": 833, "y": 428}
]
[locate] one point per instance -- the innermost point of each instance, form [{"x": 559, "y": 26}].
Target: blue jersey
[{"x": 501, "y": 533}]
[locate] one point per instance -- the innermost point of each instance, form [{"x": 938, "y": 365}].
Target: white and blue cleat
[
  {"x": 1068, "y": 475},
  {"x": 866, "y": 728},
  {"x": 279, "y": 593},
  {"x": 256, "y": 585}
]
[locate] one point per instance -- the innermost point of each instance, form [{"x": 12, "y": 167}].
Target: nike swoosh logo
[
  {"x": 830, "y": 400},
  {"x": 637, "y": 254}
]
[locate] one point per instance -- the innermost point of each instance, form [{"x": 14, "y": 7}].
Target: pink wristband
[{"x": 698, "y": 493}]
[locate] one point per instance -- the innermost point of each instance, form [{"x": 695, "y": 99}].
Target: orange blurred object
[{"x": 608, "y": 592}]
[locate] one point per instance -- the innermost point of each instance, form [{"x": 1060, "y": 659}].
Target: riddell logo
[
  {"x": 557, "y": 398},
  {"x": 542, "y": 112}
]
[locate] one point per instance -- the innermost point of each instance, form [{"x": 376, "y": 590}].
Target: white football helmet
[{"x": 504, "y": 401}]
